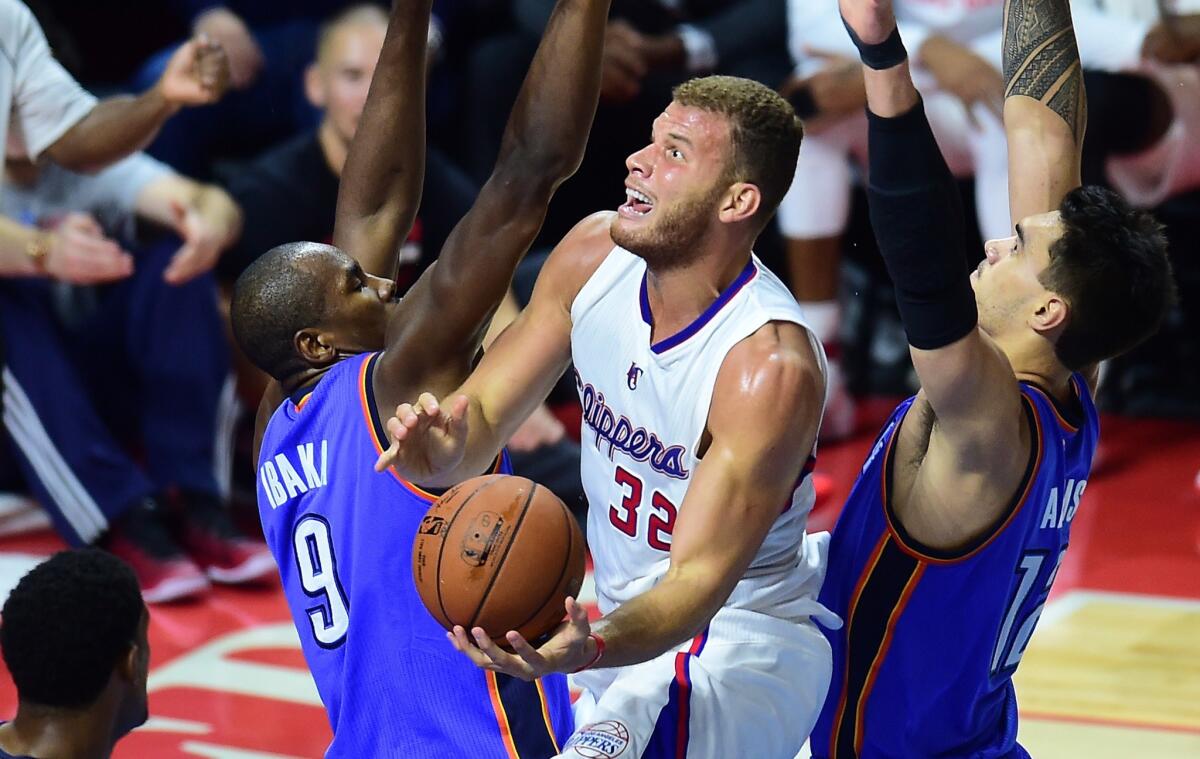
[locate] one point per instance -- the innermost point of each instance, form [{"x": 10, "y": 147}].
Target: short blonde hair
[
  {"x": 764, "y": 130},
  {"x": 365, "y": 14}
]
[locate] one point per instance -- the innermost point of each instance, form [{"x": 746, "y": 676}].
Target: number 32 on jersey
[{"x": 624, "y": 516}]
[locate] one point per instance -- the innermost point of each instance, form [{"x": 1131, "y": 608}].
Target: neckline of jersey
[{"x": 743, "y": 278}]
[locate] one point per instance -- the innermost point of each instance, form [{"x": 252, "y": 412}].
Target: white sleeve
[
  {"x": 1108, "y": 41},
  {"x": 47, "y": 101},
  {"x": 118, "y": 186}
]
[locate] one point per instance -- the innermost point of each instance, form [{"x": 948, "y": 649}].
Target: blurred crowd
[{"x": 128, "y": 411}]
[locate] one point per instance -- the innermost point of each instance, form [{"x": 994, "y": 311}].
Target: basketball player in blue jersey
[
  {"x": 325, "y": 323},
  {"x": 951, "y": 539}
]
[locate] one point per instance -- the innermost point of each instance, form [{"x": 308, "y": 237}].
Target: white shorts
[
  {"x": 749, "y": 686},
  {"x": 817, "y": 205}
]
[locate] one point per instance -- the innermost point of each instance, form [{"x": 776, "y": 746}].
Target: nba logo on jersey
[{"x": 632, "y": 376}]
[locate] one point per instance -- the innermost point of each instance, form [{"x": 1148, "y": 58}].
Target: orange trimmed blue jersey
[
  {"x": 923, "y": 664},
  {"x": 342, "y": 535}
]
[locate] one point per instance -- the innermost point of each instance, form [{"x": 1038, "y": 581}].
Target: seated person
[
  {"x": 74, "y": 640},
  {"x": 956, "y": 46},
  {"x": 141, "y": 358},
  {"x": 290, "y": 193},
  {"x": 649, "y": 47},
  {"x": 1142, "y": 62},
  {"x": 267, "y": 44}
]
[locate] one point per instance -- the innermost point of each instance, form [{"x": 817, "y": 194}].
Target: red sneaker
[
  {"x": 226, "y": 556},
  {"x": 141, "y": 540}
]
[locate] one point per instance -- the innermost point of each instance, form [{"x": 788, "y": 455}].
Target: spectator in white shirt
[
  {"x": 957, "y": 68},
  {"x": 51, "y": 115}
]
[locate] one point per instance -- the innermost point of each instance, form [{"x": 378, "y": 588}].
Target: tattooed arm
[{"x": 1045, "y": 108}]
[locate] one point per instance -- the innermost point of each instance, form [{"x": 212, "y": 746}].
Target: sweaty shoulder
[
  {"x": 576, "y": 257},
  {"x": 775, "y": 371}
]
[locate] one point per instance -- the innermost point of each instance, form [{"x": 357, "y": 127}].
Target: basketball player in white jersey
[{"x": 702, "y": 390}]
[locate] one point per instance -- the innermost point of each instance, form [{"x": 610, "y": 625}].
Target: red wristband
[{"x": 599, "y": 652}]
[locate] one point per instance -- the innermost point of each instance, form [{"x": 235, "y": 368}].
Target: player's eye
[{"x": 675, "y": 153}]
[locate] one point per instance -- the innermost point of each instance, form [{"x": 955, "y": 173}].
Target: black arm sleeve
[{"x": 917, "y": 216}]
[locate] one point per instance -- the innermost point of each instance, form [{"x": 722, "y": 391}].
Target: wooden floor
[
  {"x": 1113, "y": 669},
  {"x": 1113, "y": 675}
]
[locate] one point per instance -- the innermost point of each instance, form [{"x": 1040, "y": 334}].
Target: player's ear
[
  {"x": 741, "y": 203},
  {"x": 314, "y": 88},
  {"x": 1051, "y": 315},
  {"x": 128, "y": 665},
  {"x": 314, "y": 347}
]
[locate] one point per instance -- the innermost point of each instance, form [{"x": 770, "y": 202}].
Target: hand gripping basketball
[
  {"x": 569, "y": 649},
  {"x": 428, "y": 439}
]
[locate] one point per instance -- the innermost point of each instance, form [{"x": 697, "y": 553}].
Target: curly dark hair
[
  {"x": 67, "y": 624},
  {"x": 1111, "y": 266},
  {"x": 764, "y": 128},
  {"x": 274, "y": 298}
]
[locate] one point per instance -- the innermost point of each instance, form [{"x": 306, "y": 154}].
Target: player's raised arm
[
  {"x": 438, "y": 442},
  {"x": 445, "y": 315},
  {"x": 1045, "y": 108},
  {"x": 918, "y": 222},
  {"x": 381, "y": 185}
]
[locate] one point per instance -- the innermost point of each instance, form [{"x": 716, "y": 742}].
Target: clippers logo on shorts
[
  {"x": 602, "y": 740},
  {"x": 637, "y": 443}
]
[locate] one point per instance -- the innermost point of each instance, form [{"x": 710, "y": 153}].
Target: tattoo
[{"x": 1041, "y": 59}]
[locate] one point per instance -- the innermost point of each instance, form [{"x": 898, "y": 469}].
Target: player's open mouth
[{"x": 637, "y": 203}]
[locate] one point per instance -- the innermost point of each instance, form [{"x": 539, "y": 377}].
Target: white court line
[{"x": 1074, "y": 600}]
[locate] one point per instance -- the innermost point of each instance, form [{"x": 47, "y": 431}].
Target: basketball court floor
[{"x": 1112, "y": 671}]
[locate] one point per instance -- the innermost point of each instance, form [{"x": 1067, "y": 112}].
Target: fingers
[
  {"x": 503, "y": 661},
  {"x": 577, "y": 616},
  {"x": 537, "y": 662},
  {"x": 387, "y": 457},
  {"x": 212, "y": 66},
  {"x": 83, "y": 223},
  {"x": 83, "y": 259},
  {"x": 185, "y": 264},
  {"x": 458, "y": 638}
]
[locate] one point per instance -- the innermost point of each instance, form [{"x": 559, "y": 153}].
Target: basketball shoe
[
  {"x": 140, "y": 538},
  {"x": 207, "y": 534}
]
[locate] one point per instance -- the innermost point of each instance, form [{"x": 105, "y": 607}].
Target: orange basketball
[{"x": 498, "y": 552}]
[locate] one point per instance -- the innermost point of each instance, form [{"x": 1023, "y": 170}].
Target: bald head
[{"x": 281, "y": 293}]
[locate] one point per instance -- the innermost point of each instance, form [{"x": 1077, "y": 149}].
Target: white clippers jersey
[{"x": 645, "y": 408}]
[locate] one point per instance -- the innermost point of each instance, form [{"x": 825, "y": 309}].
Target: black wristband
[{"x": 882, "y": 55}]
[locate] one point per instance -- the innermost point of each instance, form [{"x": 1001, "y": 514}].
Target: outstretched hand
[
  {"x": 566, "y": 651},
  {"x": 428, "y": 439}
]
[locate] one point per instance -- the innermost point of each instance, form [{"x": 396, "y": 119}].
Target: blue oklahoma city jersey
[
  {"x": 392, "y": 684},
  {"x": 923, "y": 665}
]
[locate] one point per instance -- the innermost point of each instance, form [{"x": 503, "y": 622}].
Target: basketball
[{"x": 498, "y": 552}]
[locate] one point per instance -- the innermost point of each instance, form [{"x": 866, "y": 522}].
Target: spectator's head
[
  {"x": 1093, "y": 278},
  {"x": 73, "y": 634},
  {"x": 305, "y": 306},
  {"x": 337, "y": 81},
  {"x": 721, "y": 156}
]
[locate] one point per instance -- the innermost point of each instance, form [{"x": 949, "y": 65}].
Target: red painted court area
[{"x": 228, "y": 681}]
